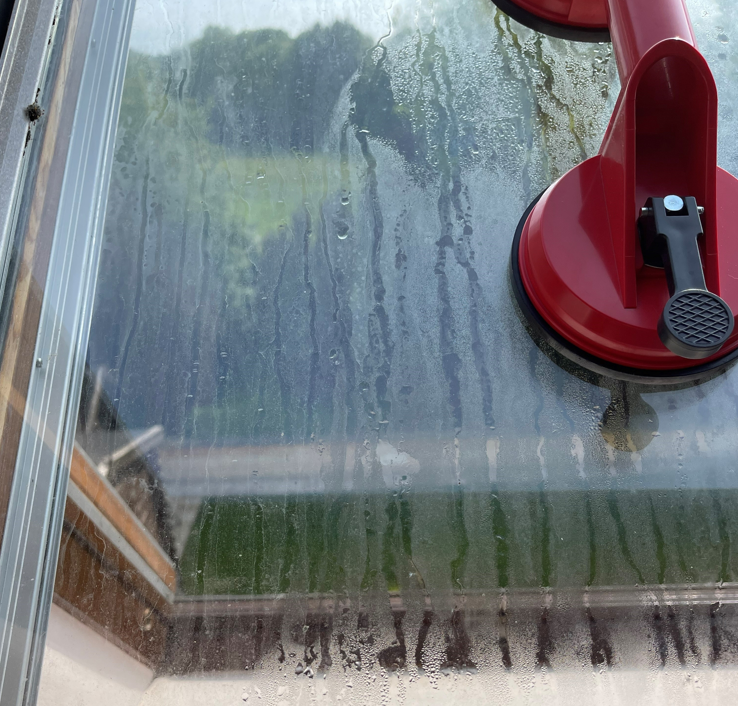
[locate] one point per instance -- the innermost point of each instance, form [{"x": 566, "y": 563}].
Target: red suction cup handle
[{"x": 662, "y": 138}]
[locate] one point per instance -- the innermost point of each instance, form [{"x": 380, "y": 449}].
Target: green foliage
[
  {"x": 219, "y": 161},
  {"x": 377, "y": 113}
]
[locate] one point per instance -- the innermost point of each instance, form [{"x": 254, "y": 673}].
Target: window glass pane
[{"x": 325, "y": 443}]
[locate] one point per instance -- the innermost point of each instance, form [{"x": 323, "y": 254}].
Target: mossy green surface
[{"x": 459, "y": 541}]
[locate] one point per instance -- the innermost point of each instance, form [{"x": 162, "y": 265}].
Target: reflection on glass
[{"x": 307, "y": 378}]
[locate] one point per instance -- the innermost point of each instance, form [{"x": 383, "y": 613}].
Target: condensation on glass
[{"x": 318, "y": 455}]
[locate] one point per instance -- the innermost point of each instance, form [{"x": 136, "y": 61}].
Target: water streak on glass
[{"x": 308, "y": 380}]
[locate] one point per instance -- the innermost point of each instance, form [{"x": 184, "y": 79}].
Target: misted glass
[{"x": 308, "y": 379}]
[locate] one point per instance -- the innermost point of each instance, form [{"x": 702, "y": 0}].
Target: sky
[{"x": 162, "y": 25}]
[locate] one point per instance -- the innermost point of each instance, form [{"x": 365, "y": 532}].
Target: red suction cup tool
[
  {"x": 578, "y": 20},
  {"x": 628, "y": 264}
]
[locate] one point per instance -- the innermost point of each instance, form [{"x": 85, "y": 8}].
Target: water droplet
[
  {"x": 299, "y": 668},
  {"x": 342, "y": 230},
  {"x": 333, "y": 353},
  {"x": 345, "y": 198}
]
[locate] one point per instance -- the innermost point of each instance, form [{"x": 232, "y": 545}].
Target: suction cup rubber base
[
  {"x": 560, "y": 30},
  {"x": 542, "y": 332}
]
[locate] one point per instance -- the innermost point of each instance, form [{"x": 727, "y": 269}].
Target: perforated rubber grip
[{"x": 695, "y": 324}]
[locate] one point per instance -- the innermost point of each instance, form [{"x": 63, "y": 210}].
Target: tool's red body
[
  {"x": 578, "y": 13},
  {"x": 580, "y": 258}
]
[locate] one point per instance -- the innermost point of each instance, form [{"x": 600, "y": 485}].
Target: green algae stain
[
  {"x": 502, "y": 544},
  {"x": 612, "y": 505}
]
